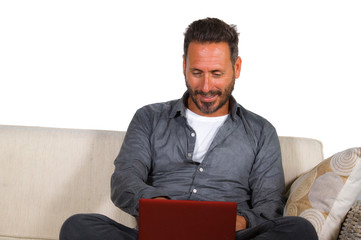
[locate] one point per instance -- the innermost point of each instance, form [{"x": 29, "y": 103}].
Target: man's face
[{"x": 210, "y": 77}]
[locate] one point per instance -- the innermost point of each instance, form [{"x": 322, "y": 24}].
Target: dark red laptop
[{"x": 186, "y": 220}]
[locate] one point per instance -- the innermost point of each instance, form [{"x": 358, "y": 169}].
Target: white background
[{"x": 92, "y": 64}]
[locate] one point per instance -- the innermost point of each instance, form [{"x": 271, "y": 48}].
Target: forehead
[{"x": 208, "y": 53}]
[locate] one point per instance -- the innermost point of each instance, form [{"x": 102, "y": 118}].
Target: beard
[{"x": 211, "y": 107}]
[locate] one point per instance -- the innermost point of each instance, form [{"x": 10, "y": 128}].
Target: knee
[
  {"x": 303, "y": 227},
  {"x": 74, "y": 227}
]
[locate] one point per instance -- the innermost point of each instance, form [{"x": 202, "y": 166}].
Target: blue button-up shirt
[{"x": 243, "y": 163}]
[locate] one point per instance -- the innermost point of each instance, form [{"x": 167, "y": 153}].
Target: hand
[
  {"x": 241, "y": 223},
  {"x": 163, "y": 198}
]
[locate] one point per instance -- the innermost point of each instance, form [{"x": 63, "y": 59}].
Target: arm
[
  {"x": 132, "y": 166},
  {"x": 266, "y": 180}
]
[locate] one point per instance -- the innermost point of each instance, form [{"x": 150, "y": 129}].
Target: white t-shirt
[{"x": 206, "y": 129}]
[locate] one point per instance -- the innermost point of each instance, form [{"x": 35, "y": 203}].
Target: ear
[
  {"x": 237, "y": 67},
  {"x": 184, "y": 66}
]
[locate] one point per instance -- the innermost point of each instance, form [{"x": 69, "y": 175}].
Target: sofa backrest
[
  {"x": 298, "y": 156},
  {"x": 47, "y": 175}
]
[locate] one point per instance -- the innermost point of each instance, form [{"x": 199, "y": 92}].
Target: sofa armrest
[{"x": 351, "y": 227}]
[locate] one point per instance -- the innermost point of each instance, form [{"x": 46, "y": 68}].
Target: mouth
[{"x": 208, "y": 98}]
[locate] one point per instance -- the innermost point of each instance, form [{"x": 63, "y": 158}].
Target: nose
[{"x": 207, "y": 84}]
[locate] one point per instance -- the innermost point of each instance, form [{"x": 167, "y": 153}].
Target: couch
[{"x": 49, "y": 174}]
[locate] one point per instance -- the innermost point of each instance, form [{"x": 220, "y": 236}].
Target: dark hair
[{"x": 212, "y": 30}]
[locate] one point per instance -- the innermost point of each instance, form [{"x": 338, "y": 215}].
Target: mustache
[{"x": 207, "y": 94}]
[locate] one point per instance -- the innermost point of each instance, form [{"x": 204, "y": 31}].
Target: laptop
[{"x": 186, "y": 220}]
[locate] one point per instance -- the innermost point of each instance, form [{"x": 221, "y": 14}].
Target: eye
[
  {"x": 196, "y": 73},
  {"x": 217, "y": 74}
]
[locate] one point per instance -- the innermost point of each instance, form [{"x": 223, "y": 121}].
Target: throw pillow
[{"x": 324, "y": 194}]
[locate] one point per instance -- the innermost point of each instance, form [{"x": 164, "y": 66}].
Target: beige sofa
[{"x": 47, "y": 175}]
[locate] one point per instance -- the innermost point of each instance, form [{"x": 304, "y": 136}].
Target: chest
[{"x": 230, "y": 153}]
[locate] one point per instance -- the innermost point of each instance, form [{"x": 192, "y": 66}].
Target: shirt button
[
  {"x": 201, "y": 169},
  {"x": 193, "y": 134},
  {"x": 194, "y": 190},
  {"x": 189, "y": 154}
]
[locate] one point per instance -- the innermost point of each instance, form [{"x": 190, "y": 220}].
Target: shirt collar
[{"x": 179, "y": 109}]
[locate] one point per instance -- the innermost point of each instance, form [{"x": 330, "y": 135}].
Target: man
[{"x": 204, "y": 146}]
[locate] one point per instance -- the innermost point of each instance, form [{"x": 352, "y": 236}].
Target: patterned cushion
[{"x": 324, "y": 194}]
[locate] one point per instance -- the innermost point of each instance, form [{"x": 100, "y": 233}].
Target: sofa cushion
[{"x": 324, "y": 194}]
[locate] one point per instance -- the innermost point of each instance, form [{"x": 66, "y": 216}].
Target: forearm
[
  {"x": 262, "y": 213},
  {"x": 127, "y": 189}
]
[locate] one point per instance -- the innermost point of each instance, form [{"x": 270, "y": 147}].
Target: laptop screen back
[{"x": 186, "y": 220}]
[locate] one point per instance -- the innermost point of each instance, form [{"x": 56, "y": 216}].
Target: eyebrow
[
  {"x": 212, "y": 71},
  {"x": 195, "y": 69}
]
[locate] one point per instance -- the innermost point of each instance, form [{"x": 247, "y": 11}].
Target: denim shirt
[{"x": 242, "y": 165}]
